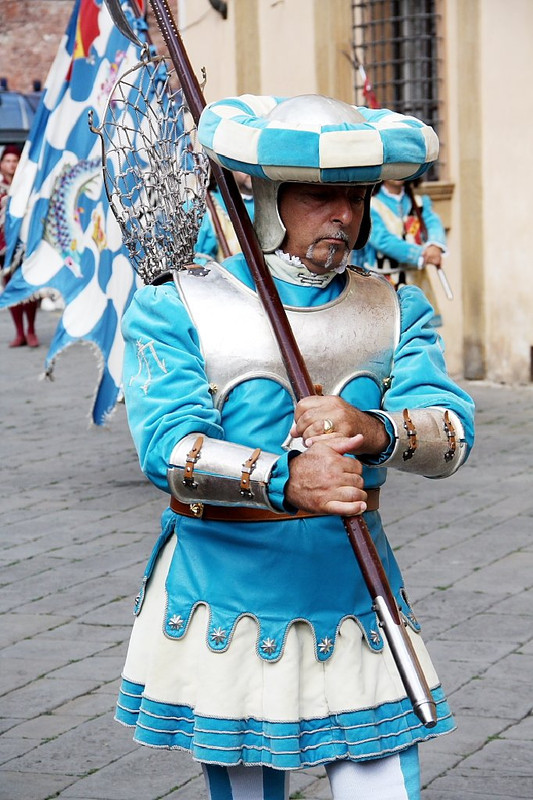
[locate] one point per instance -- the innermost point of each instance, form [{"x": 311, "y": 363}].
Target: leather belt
[{"x": 245, "y": 514}]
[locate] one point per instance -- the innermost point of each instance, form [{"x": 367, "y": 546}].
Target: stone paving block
[
  {"x": 436, "y": 763},
  {"x": 99, "y": 702},
  {"x": 90, "y": 746},
  {"x": 152, "y": 773},
  {"x": 22, "y": 568},
  {"x": 114, "y": 613},
  {"x": 471, "y": 734},
  {"x": 489, "y": 627},
  {"x": 193, "y": 790},
  {"x": 519, "y": 604},
  {"x": 476, "y": 783},
  {"x": 473, "y": 659},
  {"x": 80, "y": 630},
  {"x": 46, "y": 651},
  {"x": 6, "y": 724},
  {"x": 85, "y": 548},
  {"x": 447, "y": 606},
  {"x": 47, "y": 726},
  {"x": 19, "y": 672},
  {"x": 43, "y": 696},
  {"x": 102, "y": 669},
  {"x": 465, "y": 794},
  {"x": 13, "y": 746},
  {"x": 33, "y": 786},
  {"x": 14, "y": 626},
  {"x": 492, "y": 698},
  {"x": 512, "y": 671},
  {"x": 523, "y": 730}
]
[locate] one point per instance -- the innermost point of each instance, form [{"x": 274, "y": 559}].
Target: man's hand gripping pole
[{"x": 385, "y": 605}]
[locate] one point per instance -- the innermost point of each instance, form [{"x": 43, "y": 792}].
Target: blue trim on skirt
[{"x": 353, "y": 735}]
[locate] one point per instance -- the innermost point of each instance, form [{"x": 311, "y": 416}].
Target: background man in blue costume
[
  {"x": 255, "y": 645},
  {"x": 398, "y": 247}
]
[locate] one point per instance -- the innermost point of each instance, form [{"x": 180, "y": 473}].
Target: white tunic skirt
[{"x": 234, "y": 707}]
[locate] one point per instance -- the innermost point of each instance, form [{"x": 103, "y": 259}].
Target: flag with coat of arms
[{"x": 59, "y": 225}]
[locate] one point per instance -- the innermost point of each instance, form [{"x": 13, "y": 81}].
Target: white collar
[
  {"x": 291, "y": 270},
  {"x": 394, "y": 196}
]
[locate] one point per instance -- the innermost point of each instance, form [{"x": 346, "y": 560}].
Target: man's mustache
[{"x": 334, "y": 235}]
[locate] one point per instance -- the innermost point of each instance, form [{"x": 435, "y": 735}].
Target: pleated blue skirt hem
[{"x": 352, "y": 735}]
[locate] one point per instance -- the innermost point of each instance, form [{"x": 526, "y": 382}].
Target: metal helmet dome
[{"x": 303, "y": 110}]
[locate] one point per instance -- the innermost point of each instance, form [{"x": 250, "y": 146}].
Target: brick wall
[{"x": 30, "y": 33}]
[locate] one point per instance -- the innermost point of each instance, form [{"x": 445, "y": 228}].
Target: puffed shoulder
[
  {"x": 415, "y": 309},
  {"x": 154, "y": 301},
  {"x": 157, "y": 313}
]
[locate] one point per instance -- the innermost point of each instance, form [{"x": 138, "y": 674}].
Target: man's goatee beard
[{"x": 332, "y": 252}]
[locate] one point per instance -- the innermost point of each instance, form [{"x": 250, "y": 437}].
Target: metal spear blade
[{"x": 121, "y": 22}]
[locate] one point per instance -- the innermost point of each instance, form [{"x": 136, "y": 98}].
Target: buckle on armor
[
  {"x": 192, "y": 457},
  {"x": 412, "y": 443},
  {"x": 197, "y": 509},
  {"x": 452, "y": 437},
  {"x": 247, "y": 469}
]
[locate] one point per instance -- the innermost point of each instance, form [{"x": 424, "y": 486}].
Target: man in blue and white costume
[
  {"x": 396, "y": 247},
  {"x": 255, "y": 645}
]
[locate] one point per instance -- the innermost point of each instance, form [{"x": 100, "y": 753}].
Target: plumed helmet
[{"x": 312, "y": 139}]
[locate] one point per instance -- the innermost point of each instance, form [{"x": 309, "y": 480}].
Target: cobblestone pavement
[{"x": 78, "y": 523}]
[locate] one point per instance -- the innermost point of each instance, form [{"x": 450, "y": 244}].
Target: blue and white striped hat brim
[{"x": 238, "y": 135}]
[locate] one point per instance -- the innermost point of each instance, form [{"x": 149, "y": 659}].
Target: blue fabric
[
  {"x": 218, "y": 782},
  {"x": 273, "y": 568},
  {"x": 260, "y": 783},
  {"x": 357, "y": 736},
  {"x": 383, "y": 241},
  {"x": 410, "y": 766},
  {"x": 161, "y": 343}
]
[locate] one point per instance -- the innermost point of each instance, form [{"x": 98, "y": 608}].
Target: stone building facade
[{"x": 299, "y": 46}]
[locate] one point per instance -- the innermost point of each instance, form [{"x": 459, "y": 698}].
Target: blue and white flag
[{"x": 58, "y": 213}]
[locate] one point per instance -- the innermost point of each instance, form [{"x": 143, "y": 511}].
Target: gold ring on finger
[{"x": 329, "y": 427}]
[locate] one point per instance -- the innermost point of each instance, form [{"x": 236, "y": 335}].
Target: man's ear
[{"x": 364, "y": 230}]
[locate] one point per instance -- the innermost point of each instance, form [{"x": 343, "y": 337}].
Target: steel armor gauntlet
[
  {"x": 216, "y": 472},
  {"x": 428, "y": 441}
]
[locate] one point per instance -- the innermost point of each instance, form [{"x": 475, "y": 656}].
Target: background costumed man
[
  {"x": 403, "y": 241},
  {"x": 256, "y": 646}
]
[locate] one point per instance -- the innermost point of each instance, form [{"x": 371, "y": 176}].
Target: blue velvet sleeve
[
  {"x": 419, "y": 375},
  {"x": 165, "y": 386}
]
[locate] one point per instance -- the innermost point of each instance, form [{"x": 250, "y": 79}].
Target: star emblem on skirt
[
  {"x": 325, "y": 645},
  {"x": 268, "y": 646},
  {"x": 176, "y": 622},
  {"x": 218, "y": 635}
]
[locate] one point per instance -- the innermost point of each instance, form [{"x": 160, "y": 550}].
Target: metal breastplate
[{"x": 237, "y": 343}]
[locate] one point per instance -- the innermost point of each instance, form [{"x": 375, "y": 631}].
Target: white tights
[{"x": 395, "y": 777}]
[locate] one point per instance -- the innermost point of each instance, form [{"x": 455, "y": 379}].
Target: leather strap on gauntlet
[
  {"x": 429, "y": 441},
  {"x": 211, "y": 471}
]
